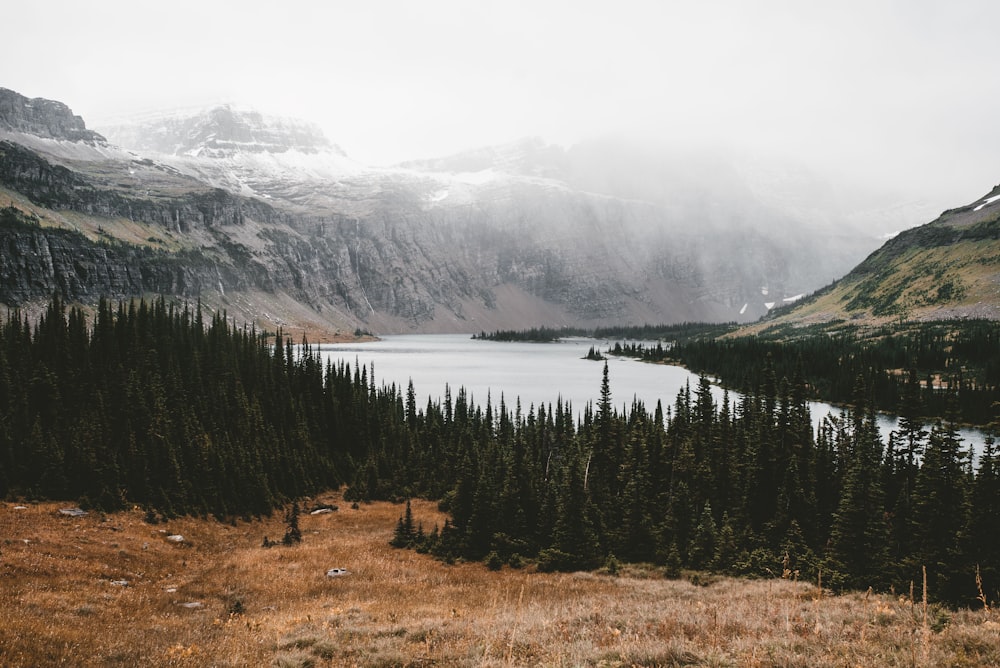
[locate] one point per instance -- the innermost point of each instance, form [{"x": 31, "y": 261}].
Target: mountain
[
  {"x": 270, "y": 220},
  {"x": 42, "y": 118},
  {"x": 742, "y": 214},
  {"x": 241, "y": 151},
  {"x": 948, "y": 268}
]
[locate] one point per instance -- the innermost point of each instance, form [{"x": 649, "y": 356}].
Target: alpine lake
[{"x": 537, "y": 373}]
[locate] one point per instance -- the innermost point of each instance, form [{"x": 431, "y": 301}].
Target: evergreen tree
[
  {"x": 983, "y": 539},
  {"x": 940, "y": 515},
  {"x": 404, "y": 535},
  {"x": 704, "y": 543},
  {"x": 574, "y": 537},
  {"x": 292, "y": 532},
  {"x": 859, "y": 538}
]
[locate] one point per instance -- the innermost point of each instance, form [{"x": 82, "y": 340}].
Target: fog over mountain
[
  {"x": 895, "y": 96},
  {"x": 411, "y": 165},
  {"x": 269, "y": 218}
]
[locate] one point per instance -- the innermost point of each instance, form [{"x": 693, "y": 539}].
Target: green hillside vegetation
[
  {"x": 946, "y": 269},
  {"x": 153, "y": 406}
]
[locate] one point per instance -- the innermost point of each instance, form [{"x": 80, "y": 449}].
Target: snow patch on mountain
[
  {"x": 987, "y": 202},
  {"x": 241, "y": 150},
  {"x": 218, "y": 132},
  {"x": 475, "y": 178},
  {"x": 66, "y": 149}
]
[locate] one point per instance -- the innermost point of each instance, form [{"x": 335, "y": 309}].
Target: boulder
[{"x": 72, "y": 512}]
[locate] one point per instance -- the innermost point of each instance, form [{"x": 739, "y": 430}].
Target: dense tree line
[
  {"x": 961, "y": 356},
  {"x": 678, "y": 332},
  {"x": 533, "y": 335},
  {"x": 744, "y": 487},
  {"x": 152, "y": 405}
]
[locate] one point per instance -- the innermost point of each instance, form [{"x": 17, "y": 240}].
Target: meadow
[{"x": 116, "y": 590}]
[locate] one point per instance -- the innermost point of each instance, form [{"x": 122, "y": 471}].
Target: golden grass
[{"x": 60, "y": 605}]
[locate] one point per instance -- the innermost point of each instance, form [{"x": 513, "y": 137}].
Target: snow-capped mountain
[
  {"x": 269, "y": 214},
  {"x": 239, "y": 150},
  {"x": 218, "y": 132}
]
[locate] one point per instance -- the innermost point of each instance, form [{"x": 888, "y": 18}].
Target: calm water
[{"x": 536, "y": 373}]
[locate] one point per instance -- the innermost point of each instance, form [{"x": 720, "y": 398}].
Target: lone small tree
[
  {"x": 405, "y": 534},
  {"x": 292, "y": 533}
]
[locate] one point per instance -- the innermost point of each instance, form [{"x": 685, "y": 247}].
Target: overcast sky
[{"x": 906, "y": 92}]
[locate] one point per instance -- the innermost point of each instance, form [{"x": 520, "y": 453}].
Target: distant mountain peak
[
  {"x": 44, "y": 118},
  {"x": 219, "y": 132}
]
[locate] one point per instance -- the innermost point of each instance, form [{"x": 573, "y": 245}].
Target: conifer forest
[{"x": 150, "y": 404}]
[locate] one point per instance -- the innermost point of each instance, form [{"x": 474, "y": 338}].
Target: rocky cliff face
[
  {"x": 42, "y": 118},
  {"x": 242, "y": 209},
  {"x": 58, "y": 187},
  {"x": 36, "y": 262}
]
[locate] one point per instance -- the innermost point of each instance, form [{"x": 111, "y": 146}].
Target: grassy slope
[
  {"x": 947, "y": 269},
  {"x": 59, "y": 605}
]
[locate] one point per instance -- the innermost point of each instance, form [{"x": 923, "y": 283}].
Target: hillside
[
  {"x": 112, "y": 590},
  {"x": 269, "y": 220},
  {"x": 948, "y": 268}
]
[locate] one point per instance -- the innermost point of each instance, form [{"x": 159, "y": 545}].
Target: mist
[{"x": 892, "y": 98}]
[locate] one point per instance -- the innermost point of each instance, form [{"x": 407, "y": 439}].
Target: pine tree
[
  {"x": 859, "y": 538},
  {"x": 634, "y": 534},
  {"x": 725, "y": 546},
  {"x": 574, "y": 535},
  {"x": 292, "y": 532},
  {"x": 983, "y": 539},
  {"x": 940, "y": 515},
  {"x": 704, "y": 542},
  {"x": 601, "y": 470},
  {"x": 404, "y": 535},
  {"x": 905, "y": 447}
]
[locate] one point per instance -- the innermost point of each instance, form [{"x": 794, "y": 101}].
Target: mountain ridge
[
  {"x": 42, "y": 117},
  {"x": 947, "y": 268},
  {"x": 294, "y": 221}
]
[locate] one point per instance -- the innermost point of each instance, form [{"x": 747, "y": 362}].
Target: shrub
[
  {"x": 611, "y": 565},
  {"x": 551, "y": 559},
  {"x": 493, "y": 561}
]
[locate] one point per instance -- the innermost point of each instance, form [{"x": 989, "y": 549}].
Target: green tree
[
  {"x": 292, "y": 532},
  {"x": 940, "y": 515},
  {"x": 705, "y": 541},
  {"x": 859, "y": 538}
]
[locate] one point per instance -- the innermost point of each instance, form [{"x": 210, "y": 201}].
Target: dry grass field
[{"x": 112, "y": 590}]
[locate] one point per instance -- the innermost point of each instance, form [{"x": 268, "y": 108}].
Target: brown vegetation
[{"x": 112, "y": 590}]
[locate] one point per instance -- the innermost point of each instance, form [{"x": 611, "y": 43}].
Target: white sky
[{"x": 900, "y": 92}]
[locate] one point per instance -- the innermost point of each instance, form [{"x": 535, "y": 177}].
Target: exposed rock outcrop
[
  {"x": 36, "y": 262},
  {"x": 42, "y": 118},
  {"x": 57, "y": 187}
]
